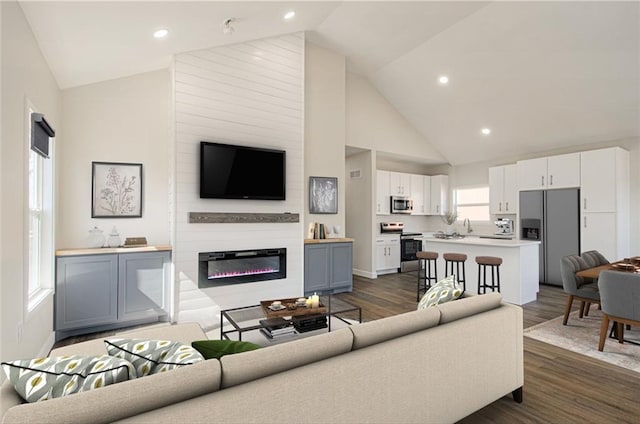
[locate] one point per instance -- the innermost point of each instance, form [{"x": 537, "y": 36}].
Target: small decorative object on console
[
  {"x": 114, "y": 238},
  {"x": 135, "y": 242},
  {"x": 96, "y": 237}
]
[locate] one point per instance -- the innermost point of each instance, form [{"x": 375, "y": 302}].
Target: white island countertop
[
  {"x": 475, "y": 240},
  {"x": 519, "y": 270}
]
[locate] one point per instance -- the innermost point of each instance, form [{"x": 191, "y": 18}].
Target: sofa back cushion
[
  {"x": 384, "y": 329},
  {"x": 247, "y": 366},
  {"x": 468, "y": 305}
]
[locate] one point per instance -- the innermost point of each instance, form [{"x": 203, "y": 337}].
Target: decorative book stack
[
  {"x": 309, "y": 322},
  {"x": 277, "y": 328}
]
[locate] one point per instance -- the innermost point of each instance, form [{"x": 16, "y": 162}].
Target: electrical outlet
[{"x": 19, "y": 332}]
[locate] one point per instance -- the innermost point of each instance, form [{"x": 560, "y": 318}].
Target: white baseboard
[
  {"x": 46, "y": 347},
  {"x": 365, "y": 274}
]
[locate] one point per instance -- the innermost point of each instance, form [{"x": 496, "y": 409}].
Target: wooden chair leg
[
  {"x": 581, "y": 309},
  {"x": 603, "y": 331},
  {"x": 586, "y": 311},
  {"x": 567, "y": 309},
  {"x": 620, "y": 332}
]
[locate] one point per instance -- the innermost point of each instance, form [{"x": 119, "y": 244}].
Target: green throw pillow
[
  {"x": 47, "y": 378},
  {"x": 153, "y": 356},
  {"x": 441, "y": 292},
  {"x": 218, "y": 348}
]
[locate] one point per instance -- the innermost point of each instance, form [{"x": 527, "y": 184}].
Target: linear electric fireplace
[{"x": 241, "y": 266}]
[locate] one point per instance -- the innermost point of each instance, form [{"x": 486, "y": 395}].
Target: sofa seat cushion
[
  {"x": 153, "y": 356},
  {"x": 468, "y": 305},
  {"x": 443, "y": 291},
  {"x": 384, "y": 329},
  {"x": 47, "y": 378},
  {"x": 238, "y": 369},
  {"x": 210, "y": 349}
]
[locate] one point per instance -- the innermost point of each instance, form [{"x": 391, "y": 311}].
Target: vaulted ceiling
[{"x": 541, "y": 75}]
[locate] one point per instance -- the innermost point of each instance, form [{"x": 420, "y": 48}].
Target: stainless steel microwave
[{"x": 401, "y": 204}]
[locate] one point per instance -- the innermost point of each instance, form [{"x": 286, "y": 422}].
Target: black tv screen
[{"x": 238, "y": 172}]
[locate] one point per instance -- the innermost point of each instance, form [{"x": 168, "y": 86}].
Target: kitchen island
[{"x": 519, "y": 280}]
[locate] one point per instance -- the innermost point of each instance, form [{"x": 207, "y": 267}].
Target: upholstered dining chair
[
  {"x": 620, "y": 302},
  {"x": 593, "y": 258},
  {"x": 577, "y": 287}
]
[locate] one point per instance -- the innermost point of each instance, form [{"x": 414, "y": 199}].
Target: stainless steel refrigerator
[{"x": 553, "y": 217}]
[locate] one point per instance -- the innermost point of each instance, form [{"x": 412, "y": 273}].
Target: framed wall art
[
  {"x": 323, "y": 195},
  {"x": 116, "y": 190}
]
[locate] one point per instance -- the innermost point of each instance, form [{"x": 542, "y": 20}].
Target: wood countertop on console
[
  {"x": 107, "y": 250},
  {"x": 329, "y": 240}
]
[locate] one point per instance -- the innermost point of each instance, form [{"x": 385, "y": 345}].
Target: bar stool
[
  {"x": 457, "y": 259},
  {"x": 425, "y": 260},
  {"x": 484, "y": 262}
]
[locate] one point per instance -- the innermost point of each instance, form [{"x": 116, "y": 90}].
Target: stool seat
[
  {"x": 454, "y": 264},
  {"x": 488, "y": 260},
  {"x": 494, "y": 263},
  {"x": 454, "y": 257},
  {"x": 427, "y": 255}
]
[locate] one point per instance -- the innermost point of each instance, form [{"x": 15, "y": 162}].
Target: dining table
[{"x": 624, "y": 265}]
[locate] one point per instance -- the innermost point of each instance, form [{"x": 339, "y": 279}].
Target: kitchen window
[{"x": 472, "y": 203}]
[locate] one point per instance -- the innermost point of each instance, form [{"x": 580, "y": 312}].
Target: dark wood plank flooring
[{"x": 560, "y": 386}]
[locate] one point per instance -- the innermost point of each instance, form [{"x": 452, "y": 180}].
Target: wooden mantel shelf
[{"x": 240, "y": 218}]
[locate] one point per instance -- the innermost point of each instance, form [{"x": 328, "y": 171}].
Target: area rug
[{"x": 581, "y": 335}]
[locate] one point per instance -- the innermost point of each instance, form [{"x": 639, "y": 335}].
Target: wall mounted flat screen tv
[{"x": 239, "y": 172}]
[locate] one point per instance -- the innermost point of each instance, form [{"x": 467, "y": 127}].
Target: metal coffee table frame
[{"x": 251, "y": 315}]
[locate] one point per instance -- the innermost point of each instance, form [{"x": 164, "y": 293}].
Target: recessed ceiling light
[
  {"x": 161, "y": 33},
  {"x": 289, "y": 15},
  {"x": 485, "y": 131},
  {"x": 443, "y": 80}
]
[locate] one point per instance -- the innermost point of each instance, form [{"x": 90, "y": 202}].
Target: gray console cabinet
[
  {"x": 328, "y": 267},
  {"x": 103, "y": 291}
]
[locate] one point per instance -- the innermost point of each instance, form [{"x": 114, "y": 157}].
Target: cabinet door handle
[
  {"x": 378, "y": 207},
  {"x": 585, "y": 222},
  {"x": 499, "y": 206},
  {"x": 507, "y": 206},
  {"x": 585, "y": 204},
  {"x": 550, "y": 180},
  {"x": 543, "y": 181},
  {"x": 437, "y": 208}
]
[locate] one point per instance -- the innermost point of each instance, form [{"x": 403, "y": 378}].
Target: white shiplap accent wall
[{"x": 248, "y": 94}]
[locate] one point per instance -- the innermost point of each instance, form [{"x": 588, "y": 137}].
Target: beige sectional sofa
[{"x": 430, "y": 366}]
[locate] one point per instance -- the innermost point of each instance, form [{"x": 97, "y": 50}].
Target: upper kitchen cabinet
[
  {"x": 561, "y": 171},
  {"x": 439, "y": 190},
  {"x": 503, "y": 189},
  {"x": 383, "y": 203},
  {"x": 605, "y": 180},
  {"x": 399, "y": 184},
  {"x": 604, "y": 202},
  {"x": 421, "y": 194}
]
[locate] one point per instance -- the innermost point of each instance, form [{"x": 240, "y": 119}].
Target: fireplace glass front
[{"x": 241, "y": 266}]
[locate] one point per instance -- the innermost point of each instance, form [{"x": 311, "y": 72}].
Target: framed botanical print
[{"x": 116, "y": 190}]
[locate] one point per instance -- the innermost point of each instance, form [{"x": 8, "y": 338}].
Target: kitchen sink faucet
[{"x": 467, "y": 223}]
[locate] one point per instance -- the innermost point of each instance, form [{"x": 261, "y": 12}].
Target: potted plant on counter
[{"x": 449, "y": 218}]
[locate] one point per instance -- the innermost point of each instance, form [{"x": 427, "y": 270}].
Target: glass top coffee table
[{"x": 247, "y": 318}]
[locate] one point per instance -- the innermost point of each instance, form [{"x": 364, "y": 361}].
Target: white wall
[
  {"x": 360, "y": 209},
  {"x": 324, "y": 124},
  {"x": 373, "y": 123},
  {"x": 249, "y": 94},
  {"x": 25, "y": 74},
  {"x": 121, "y": 120}
]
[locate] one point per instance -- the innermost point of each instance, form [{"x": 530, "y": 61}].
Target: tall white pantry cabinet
[{"x": 604, "y": 202}]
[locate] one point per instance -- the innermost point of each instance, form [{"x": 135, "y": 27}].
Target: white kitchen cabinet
[
  {"x": 503, "y": 189},
  {"x": 439, "y": 190},
  {"x": 420, "y": 202},
  {"x": 562, "y": 171},
  {"x": 604, "y": 202},
  {"x": 387, "y": 253},
  {"x": 597, "y": 232},
  {"x": 383, "y": 202},
  {"x": 399, "y": 184}
]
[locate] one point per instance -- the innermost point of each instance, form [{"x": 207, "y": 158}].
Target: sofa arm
[{"x": 122, "y": 400}]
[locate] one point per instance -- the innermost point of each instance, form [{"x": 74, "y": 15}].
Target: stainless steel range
[{"x": 410, "y": 244}]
